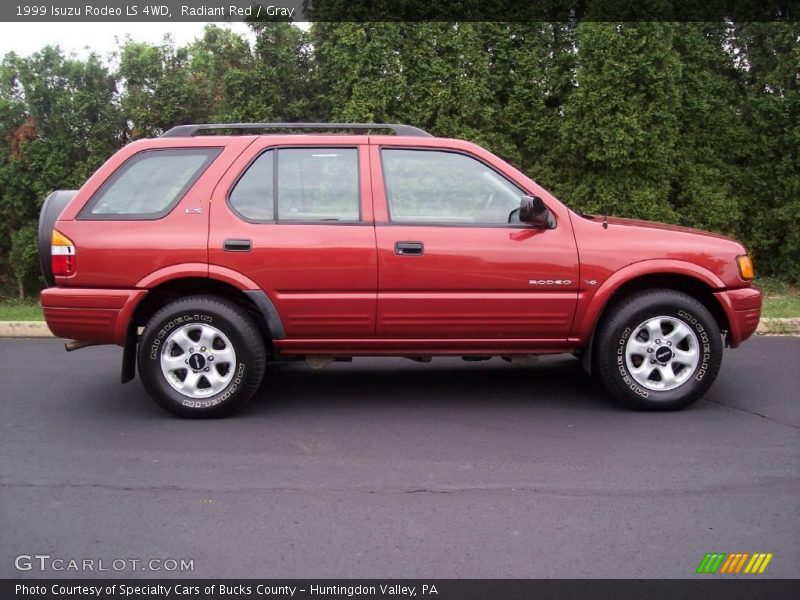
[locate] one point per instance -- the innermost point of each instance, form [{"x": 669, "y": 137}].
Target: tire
[
  {"x": 658, "y": 350},
  {"x": 201, "y": 357}
]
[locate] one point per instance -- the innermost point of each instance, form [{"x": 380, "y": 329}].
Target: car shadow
[
  {"x": 376, "y": 384},
  {"x": 444, "y": 381}
]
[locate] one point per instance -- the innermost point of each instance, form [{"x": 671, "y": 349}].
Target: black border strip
[
  {"x": 553, "y": 10},
  {"x": 710, "y": 588},
  {"x": 422, "y": 11}
]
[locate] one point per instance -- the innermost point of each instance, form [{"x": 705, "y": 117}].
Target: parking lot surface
[{"x": 389, "y": 468}]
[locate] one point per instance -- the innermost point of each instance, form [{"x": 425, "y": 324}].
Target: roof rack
[{"x": 193, "y": 130}]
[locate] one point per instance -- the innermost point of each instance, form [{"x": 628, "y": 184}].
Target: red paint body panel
[
  {"x": 649, "y": 249},
  {"x": 95, "y": 315},
  {"x": 743, "y": 309},
  {"x": 340, "y": 288},
  {"x": 120, "y": 254},
  {"x": 172, "y": 272},
  {"x": 472, "y": 281},
  {"x": 231, "y": 277},
  {"x": 321, "y": 277}
]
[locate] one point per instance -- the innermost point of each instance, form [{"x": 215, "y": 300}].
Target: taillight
[{"x": 62, "y": 254}]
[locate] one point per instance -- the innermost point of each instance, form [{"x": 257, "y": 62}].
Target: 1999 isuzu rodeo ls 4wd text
[{"x": 213, "y": 249}]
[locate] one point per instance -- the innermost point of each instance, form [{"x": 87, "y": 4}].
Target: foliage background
[{"x": 690, "y": 123}]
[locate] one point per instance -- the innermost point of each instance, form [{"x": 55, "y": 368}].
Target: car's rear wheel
[
  {"x": 658, "y": 350},
  {"x": 201, "y": 357}
]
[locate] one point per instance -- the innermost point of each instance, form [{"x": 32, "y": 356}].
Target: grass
[
  {"x": 20, "y": 310},
  {"x": 780, "y": 300}
]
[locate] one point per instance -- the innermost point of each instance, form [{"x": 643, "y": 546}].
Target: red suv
[{"x": 208, "y": 252}]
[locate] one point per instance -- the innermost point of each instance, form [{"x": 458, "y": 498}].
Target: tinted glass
[
  {"x": 253, "y": 195},
  {"x": 446, "y": 187},
  {"x": 318, "y": 184},
  {"x": 150, "y": 183}
]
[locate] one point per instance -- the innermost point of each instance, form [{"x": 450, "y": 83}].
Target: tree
[
  {"x": 23, "y": 256},
  {"x": 533, "y": 77},
  {"x": 434, "y": 75},
  {"x": 222, "y": 67},
  {"x": 281, "y": 87},
  {"x": 710, "y": 132},
  {"x": 160, "y": 89},
  {"x": 217, "y": 78},
  {"x": 769, "y": 182},
  {"x": 694, "y": 123},
  {"x": 620, "y": 126},
  {"x": 58, "y": 122}
]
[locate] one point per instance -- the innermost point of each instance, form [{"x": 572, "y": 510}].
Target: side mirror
[{"x": 533, "y": 210}]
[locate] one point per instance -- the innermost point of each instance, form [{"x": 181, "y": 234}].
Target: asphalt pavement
[{"x": 389, "y": 468}]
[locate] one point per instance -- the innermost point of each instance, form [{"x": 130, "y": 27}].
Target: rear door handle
[
  {"x": 409, "y": 248},
  {"x": 232, "y": 245}
]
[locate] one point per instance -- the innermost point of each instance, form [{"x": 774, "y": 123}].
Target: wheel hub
[
  {"x": 197, "y": 361},
  {"x": 663, "y": 355}
]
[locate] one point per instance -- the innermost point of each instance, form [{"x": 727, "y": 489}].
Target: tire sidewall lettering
[
  {"x": 220, "y": 398},
  {"x": 622, "y": 368},
  {"x": 156, "y": 346},
  {"x": 162, "y": 333},
  {"x": 243, "y": 371},
  {"x": 703, "y": 339},
  {"x": 646, "y": 307}
]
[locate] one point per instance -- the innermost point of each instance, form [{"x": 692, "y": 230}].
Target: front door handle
[
  {"x": 409, "y": 248},
  {"x": 233, "y": 245}
]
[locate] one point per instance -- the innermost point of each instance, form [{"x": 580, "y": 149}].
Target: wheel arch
[
  {"x": 701, "y": 289},
  {"x": 254, "y": 302}
]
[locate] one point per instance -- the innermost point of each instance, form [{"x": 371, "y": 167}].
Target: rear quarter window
[{"x": 149, "y": 184}]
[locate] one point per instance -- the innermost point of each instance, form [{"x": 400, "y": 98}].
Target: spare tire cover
[{"x": 51, "y": 209}]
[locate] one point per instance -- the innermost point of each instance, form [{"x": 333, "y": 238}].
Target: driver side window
[{"x": 433, "y": 186}]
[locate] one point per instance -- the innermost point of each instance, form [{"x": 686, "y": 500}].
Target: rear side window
[
  {"x": 252, "y": 196},
  {"x": 318, "y": 184},
  {"x": 149, "y": 184},
  {"x": 300, "y": 184}
]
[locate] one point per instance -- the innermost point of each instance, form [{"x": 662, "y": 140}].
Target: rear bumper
[
  {"x": 90, "y": 315},
  {"x": 743, "y": 309}
]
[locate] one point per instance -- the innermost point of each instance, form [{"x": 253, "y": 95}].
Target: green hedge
[{"x": 691, "y": 123}]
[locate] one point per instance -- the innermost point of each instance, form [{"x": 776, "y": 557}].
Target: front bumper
[
  {"x": 90, "y": 315},
  {"x": 743, "y": 309}
]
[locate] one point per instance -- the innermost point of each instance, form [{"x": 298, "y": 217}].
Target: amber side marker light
[
  {"x": 745, "y": 266},
  {"x": 62, "y": 254}
]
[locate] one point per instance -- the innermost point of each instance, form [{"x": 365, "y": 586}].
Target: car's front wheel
[
  {"x": 201, "y": 357},
  {"x": 658, "y": 350}
]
